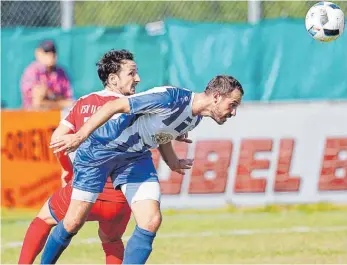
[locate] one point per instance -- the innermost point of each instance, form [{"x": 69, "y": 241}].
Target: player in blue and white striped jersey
[{"x": 130, "y": 127}]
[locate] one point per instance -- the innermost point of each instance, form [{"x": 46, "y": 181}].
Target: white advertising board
[{"x": 268, "y": 154}]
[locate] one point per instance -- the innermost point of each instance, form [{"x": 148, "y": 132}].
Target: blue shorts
[{"x": 94, "y": 163}]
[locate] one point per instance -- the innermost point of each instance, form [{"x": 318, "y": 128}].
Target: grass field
[{"x": 312, "y": 234}]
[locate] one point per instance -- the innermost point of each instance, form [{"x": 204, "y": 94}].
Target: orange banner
[{"x": 30, "y": 172}]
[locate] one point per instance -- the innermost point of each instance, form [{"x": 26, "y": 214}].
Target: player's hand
[
  {"x": 182, "y": 164},
  {"x": 67, "y": 143},
  {"x": 184, "y": 138}
]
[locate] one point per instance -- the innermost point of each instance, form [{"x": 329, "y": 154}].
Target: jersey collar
[{"x": 112, "y": 93}]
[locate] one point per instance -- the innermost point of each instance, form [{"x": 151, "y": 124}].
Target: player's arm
[
  {"x": 171, "y": 159},
  {"x": 64, "y": 159},
  {"x": 102, "y": 115},
  {"x": 71, "y": 142},
  {"x": 142, "y": 103}
]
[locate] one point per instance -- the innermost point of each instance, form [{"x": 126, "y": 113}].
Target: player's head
[
  {"x": 225, "y": 93},
  {"x": 118, "y": 72}
]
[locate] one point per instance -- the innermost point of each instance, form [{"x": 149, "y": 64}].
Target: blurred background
[
  {"x": 279, "y": 167},
  {"x": 248, "y": 39}
]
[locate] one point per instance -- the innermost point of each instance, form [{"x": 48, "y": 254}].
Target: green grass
[{"x": 219, "y": 246}]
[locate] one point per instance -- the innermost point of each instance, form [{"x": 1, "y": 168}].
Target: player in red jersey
[{"x": 111, "y": 209}]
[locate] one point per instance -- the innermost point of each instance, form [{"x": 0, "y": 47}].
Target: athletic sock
[
  {"x": 34, "y": 240},
  {"x": 114, "y": 252},
  {"x": 139, "y": 246},
  {"x": 56, "y": 244}
]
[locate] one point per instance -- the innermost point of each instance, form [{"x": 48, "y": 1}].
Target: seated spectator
[{"x": 44, "y": 85}]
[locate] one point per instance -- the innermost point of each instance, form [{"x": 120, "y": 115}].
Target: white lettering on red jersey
[
  {"x": 83, "y": 109},
  {"x": 86, "y": 106}
]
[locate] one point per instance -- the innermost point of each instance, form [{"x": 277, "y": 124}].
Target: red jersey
[{"x": 85, "y": 107}]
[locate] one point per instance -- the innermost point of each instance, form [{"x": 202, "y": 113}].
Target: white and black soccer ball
[{"x": 325, "y": 21}]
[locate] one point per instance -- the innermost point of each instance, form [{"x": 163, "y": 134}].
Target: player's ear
[
  {"x": 216, "y": 97},
  {"x": 113, "y": 79}
]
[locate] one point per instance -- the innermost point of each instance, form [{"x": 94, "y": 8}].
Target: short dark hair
[
  {"x": 111, "y": 63},
  {"x": 224, "y": 84}
]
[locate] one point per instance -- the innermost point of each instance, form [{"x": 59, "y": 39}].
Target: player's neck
[
  {"x": 202, "y": 105},
  {"x": 112, "y": 89}
]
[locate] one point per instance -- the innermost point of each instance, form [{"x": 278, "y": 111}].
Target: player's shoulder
[
  {"x": 170, "y": 89},
  {"x": 179, "y": 93},
  {"x": 97, "y": 98},
  {"x": 99, "y": 95},
  {"x": 163, "y": 97},
  {"x": 168, "y": 92},
  {"x": 153, "y": 90}
]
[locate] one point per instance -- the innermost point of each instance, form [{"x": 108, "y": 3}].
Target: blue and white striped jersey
[{"x": 157, "y": 116}]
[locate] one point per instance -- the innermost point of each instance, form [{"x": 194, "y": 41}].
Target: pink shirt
[{"x": 35, "y": 74}]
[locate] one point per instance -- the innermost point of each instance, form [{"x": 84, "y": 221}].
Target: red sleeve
[
  {"x": 66, "y": 164},
  {"x": 70, "y": 119},
  {"x": 70, "y": 122}
]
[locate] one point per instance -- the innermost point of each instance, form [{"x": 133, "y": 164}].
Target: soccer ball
[{"x": 325, "y": 21}]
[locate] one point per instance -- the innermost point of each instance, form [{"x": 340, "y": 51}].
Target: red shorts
[{"x": 113, "y": 217}]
